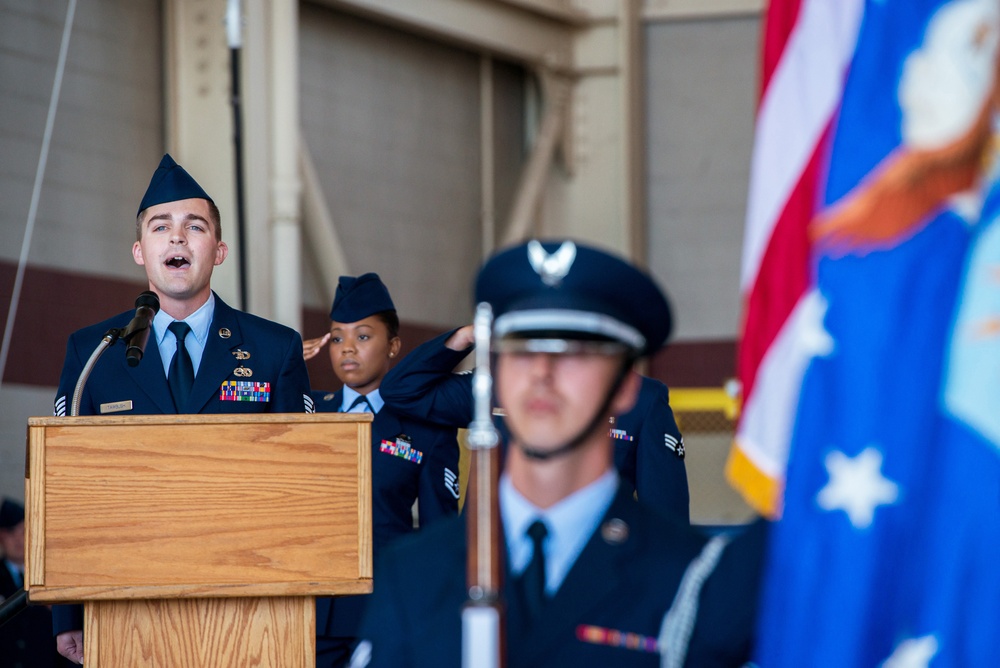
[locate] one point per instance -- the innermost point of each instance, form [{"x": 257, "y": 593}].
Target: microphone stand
[
  {"x": 9, "y": 609},
  {"x": 482, "y": 615},
  {"x": 109, "y": 339}
]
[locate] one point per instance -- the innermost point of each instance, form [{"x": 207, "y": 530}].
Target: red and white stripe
[{"x": 808, "y": 46}]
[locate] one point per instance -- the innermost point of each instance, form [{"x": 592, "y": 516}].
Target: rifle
[{"x": 482, "y": 615}]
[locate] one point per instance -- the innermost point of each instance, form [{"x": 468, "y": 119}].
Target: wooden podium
[{"x": 198, "y": 540}]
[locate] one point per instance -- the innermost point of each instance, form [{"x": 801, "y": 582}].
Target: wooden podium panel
[
  {"x": 198, "y": 506},
  {"x": 202, "y": 633}
]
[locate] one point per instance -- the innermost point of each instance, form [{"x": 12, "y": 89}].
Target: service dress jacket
[{"x": 624, "y": 581}]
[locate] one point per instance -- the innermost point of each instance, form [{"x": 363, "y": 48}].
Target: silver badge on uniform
[
  {"x": 451, "y": 482},
  {"x": 672, "y": 443},
  {"x": 225, "y": 333},
  {"x": 614, "y": 531}
]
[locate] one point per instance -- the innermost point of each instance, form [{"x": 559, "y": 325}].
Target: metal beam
[
  {"x": 667, "y": 10},
  {"x": 322, "y": 241},
  {"x": 535, "y": 173},
  {"x": 286, "y": 183},
  {"x": 516, "y": 30}
]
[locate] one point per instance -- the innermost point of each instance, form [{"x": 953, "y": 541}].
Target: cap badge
[{"x": 552, "y": 267}]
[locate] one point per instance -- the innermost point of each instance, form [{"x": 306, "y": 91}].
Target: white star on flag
[
  {"x": 913, "y": 653},
  {"x": 812, "y": 333},
  {"x": 857, "y": 486}
]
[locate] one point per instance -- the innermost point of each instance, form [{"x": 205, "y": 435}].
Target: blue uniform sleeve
[
  {"x": 66, "y": 618},
  {"x": 439, "y": 484},
  {"x": 660, "y": 475},
  {"x": 72, "y": 367},
  {"x": 384, "y": 633},
  {"x": 290, "y": 394},
  {"x": 727, "y": 608},
  {"x": 422, "y": 385}
]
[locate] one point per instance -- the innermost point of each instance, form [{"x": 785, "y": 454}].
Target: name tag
[
  {"x": 245, "y": 390},
  {"x": 116, "y": 407}
]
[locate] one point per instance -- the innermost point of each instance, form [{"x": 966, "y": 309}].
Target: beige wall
[
  {"x": 392, "y": 122},
  {"x": 107, "y": 132},
  {"x": 701, "y": 82}
]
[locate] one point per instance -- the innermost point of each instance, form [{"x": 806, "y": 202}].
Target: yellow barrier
[{"x": 705, "y": 400}]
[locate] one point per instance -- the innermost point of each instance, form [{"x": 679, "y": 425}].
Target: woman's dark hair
[{"x": 391, "y": 321}]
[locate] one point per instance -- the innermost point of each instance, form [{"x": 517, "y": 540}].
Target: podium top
[
  {"x": 183, "y": 506},
  {"x": 200, "y": 418}
]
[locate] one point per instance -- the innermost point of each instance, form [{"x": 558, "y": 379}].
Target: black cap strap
[{"x": 601, "y": 414}]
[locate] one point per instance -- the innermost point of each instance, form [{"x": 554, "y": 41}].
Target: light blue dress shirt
[
  {"x": 570, "y": 523},
  {"x": 374, "y": 398},
  {"x": 200, "y": 321}
]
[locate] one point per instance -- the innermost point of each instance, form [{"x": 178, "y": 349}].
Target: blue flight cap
[
  {"x": 359, "y": 297},
  {"x": 11, "y": 514},
  {"x": 566, "y": 290},
  {"x": 170, "y": 183}
]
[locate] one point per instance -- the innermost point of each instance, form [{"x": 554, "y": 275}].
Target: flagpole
[{"x": 234, "y": 18}]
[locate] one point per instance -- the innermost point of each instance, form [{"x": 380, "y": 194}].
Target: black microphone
[{"x": 137, "y": 332}]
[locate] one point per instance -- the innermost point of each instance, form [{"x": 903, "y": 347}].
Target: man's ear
[
  {"x": 627, "y": 394},
  {"x": 221, "y": 253},
  {"x": 137, "y": 254}
]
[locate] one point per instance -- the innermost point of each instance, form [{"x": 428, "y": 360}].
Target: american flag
[
  {"x": 808, "y": 46},
  {"x": 873, "y": 428}
]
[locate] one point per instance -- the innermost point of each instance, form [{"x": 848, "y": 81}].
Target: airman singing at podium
[{"x": 203, "y": 355}]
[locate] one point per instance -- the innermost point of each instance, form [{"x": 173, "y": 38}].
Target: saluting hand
[
  {"x": 462, "y": 339},
  {"x": 311, "y": 347}
]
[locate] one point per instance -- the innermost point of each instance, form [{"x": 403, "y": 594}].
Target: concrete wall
[
  {"x": 107, "y": 133},
  {"x": 392, "y": 121},
  {"x": 701, "y": 90}
]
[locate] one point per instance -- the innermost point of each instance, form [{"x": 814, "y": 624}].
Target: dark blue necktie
[
  {"x": 362, "y": 399},
  {"x": 533, "y": 578},
  {"x": 181, "y": 375}
]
